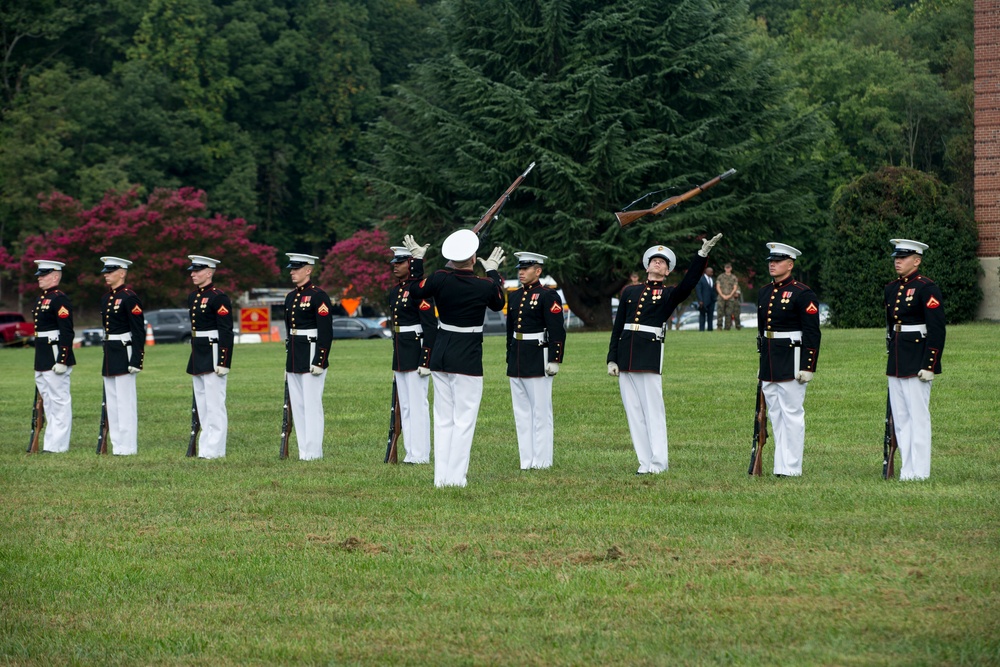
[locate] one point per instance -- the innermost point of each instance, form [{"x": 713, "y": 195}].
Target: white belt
[
  {"x": 448, "y": 327},
  {"x": 125, "y": 337},
  {"x": 416, "y": 328},
  {"x": 48, "y": 335},
  {"x": 656, "y": 331},
  {"x": 206, "y": 334},
  {"x": 539, "y": 336},
  {"x": 794, "y": 335},
  {"x": 312, "y": 333},
  {"x": 906, "y": 328}
]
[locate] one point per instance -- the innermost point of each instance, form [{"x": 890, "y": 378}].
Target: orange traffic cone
[
  {"x": 275, "y": 336},
  {"x": 149, "y": 335}
]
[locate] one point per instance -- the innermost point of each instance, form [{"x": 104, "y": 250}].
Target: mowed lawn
[{"x": 158, "y": 559}]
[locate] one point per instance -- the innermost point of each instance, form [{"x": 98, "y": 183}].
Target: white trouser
[
  {"x": 58, "y": 406},
  {"x": 642, "y": 395},
  {"x": 123, "y": 420},
  {"x": 910, "y": 400},
  {"x": 415, "y": 415},
  {"x": 305, "y": 393},
  {"x": 210, "y": 397},
  {"x": 456, "y": 408},
  {"x": 532, "y": 402},
  {"x": 788, "y": 424}
]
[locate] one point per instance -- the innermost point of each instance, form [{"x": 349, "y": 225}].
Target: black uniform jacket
[
  {"x": 787, "y": 306},
  {"x": 121, "y": 312},
  {"x": 914, "y": 300},
  {"x": 534, "y": 309},
  {"x": 648, "y": 304},
  {"x": 409, "y": 348},
  {"x": 210, "y": 310},
  {"x": 53, "y": 312},
  {"x": 462, "y": 298},
  {"x": 308, "y": 307}
]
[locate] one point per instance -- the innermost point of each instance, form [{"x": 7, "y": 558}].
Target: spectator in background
[
  {"x": 705, "y": 291},
  {"x": 728, "y": 289}
]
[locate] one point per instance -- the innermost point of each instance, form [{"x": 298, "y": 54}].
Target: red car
[{"x": 14, "y": 330}]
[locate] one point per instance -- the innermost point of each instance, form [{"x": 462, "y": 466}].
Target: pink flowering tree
[
  {"x": 157, "y": 235},
  {"x": 358, "y": 267}
]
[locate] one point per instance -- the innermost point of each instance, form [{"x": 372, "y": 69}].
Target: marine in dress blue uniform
[
  {"x": 54, "y": 359},
  {"x": 456, "y": 362},
  {"x": 414, "y": 328},
  {"x": 309, "y": 327},
  {"x": 124, "y": 350},
  {"x": 915, "y": 334},
  {"x": 211, "y": 313},
  {"x": 635, "y": 353},
  {"x": 788, "y": 339},
  {"x": 536, "y": 342}
]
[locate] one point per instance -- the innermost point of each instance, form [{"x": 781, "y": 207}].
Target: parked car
[
  {"x": 171, "y": 325},
  {"x": 494, "y": 323},
  {"x": 15, "y": 330},
  {"x": 358, "y": 327},
  {"x": 91, "y": 337}
]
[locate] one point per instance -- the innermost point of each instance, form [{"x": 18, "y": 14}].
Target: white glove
[
  {"x": 133, "y": 370},
  {"x": 221, "y": 371},
  {"x": 551, "y": 368},
  {"x": 495, "y": 260},
  {"x": 612, "y": 369},
  {"x": 708, "y": 245},
  {"x": 418, "y": 251},
  {"x": 316, "y": 370},
  {"x": 925, "y": 376},
  {"x": 423, "y": 371},
  {"x": 59, "y": 369},
  {"x": 803, "y": 377}
]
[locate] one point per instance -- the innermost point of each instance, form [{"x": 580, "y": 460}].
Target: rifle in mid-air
[
  {"x": 628, "y": 217},
  {"x": 195, "y": 428},
  {"x": 102, "y": 431},
  {"x": 494, "y": 211},
  {"x": 395, "y": 426},
  {"x": 37, "y": 415},
  {"x": 286, "y": 424},
  {"x": 889, "y": 444},
  {"x": 759, "y": 433}
]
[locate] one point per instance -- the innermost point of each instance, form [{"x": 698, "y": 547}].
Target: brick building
[{"x": 987, "y": 151}]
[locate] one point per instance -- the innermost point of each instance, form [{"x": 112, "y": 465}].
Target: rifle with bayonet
[
  {"x": 395, "y": 426},
  {"x": 759, "y": 433},
  {"x": 286, "y": 424},
  {"x": 37, "y": 415},
  {"x": 628, "y": 217},
  {"x": 494, "y": 211},
  {"x": 195, "y": 428},
  {"x": 889, "y": 444},
  {"x": 102, "y": 431}
]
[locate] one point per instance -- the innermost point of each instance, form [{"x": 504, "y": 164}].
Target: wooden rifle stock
[
  {"x": 626, "y": 218},
  {"x": 759, "y": 433},
  {"x": 395, "y": 426},
  {"x": 195, "y": 428},
  {"x": 37, "y": 415},
  {"x": 494, "y": 210},
  {"x": 889, "y": 444},
  {"x": 102, "y": 430},
  {"x": 286, "y": 424}
]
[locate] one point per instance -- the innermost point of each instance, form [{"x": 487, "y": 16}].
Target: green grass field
[{"x": 158, "y": 559}]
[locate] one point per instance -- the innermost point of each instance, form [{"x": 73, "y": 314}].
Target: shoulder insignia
[
  {"x": 424, "y": 305},
  {"x": 423, "y": 282},
  {"x": 63, "y": 312},
  {"x": 932, "y": 302},
  {"x": 811, "y": 308},
  {"x": 556, "y": 308},
  {"x": 136, "y": 310},
  {"x": 223, "y": 310},
  {"x": 323, "y": 310}
]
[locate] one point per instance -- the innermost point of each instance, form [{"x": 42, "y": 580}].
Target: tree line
[{"x": 313, "y": 120}]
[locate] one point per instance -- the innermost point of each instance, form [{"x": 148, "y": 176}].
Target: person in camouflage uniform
[{"x": 728, "y": 287}]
